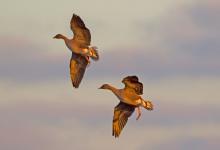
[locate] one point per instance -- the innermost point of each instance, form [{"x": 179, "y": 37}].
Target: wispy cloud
[
  {"x": 25, "y": 60},
  {"x": 51, "y": 115}
]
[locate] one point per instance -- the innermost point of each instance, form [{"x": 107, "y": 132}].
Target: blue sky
[{"x": 173, "y": 46}]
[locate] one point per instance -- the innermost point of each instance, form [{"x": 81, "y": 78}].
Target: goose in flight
[
  {"x": 130, "y": 100},
  {"x": 81, "y": 49}
]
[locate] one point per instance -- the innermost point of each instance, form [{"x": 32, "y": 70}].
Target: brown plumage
[
  {"x": 80, "y": 47},
  {"x": 121, "y": 114},
  {"x": 82, "y": 35},
  {"x": 78, "y": 65},
  {"x": 130, "y": 99},
  {"x": 132, "y": 82}
]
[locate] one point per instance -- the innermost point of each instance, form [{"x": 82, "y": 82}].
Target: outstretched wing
[
  {"x": 121, "y": 113},
  {"x": 81, "y": 33},
  {"x": 132, "y": 82},
  {"x": 78, "y": 66}
]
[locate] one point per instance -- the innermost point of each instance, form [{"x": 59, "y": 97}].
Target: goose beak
[
  {"x": 104, "y": 86},
  {"x": 101, "y": 87},
  {"x": 123, "y": 80}
]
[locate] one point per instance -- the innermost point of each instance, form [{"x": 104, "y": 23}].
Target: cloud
[
  {"x": 183, "y": 41},
  {"x": 178, "y": 42},
  {"x": 155, "y": 64},
  {"x": 25, "y": 60},
  {"x": 52, "y": 115},
  {"x": 34, "y": 63},
  {"x": 73, "y": 133}
]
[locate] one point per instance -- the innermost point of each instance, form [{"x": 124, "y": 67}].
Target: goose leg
[
  {"x": 85, "y": 52},
  {"x": 138, "y": 112},
  {"x": 87, "y": 58}
]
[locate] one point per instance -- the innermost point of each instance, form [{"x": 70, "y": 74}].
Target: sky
[{"x": 172, "y": 46}]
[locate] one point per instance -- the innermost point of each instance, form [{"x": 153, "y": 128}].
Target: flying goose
[
  {"x": 80, "y": 47},
  {"x": 130, "y": 99}
]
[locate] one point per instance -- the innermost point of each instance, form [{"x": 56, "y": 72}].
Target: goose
[
  {"x": 130, "y": 100},
  {"x": 80, "y": 47}
]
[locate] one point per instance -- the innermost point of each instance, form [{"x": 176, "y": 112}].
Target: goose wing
[
  {"x": 133, "y": 82},
  {"x": 81, "y": 33},
  {"x": 121, "y": 114},
  {"x": 78, "y": 66}
]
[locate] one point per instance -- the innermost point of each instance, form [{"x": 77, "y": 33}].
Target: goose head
[
  {"x": 105, "y": 86},
  {"x": 58, "y": 36}
]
